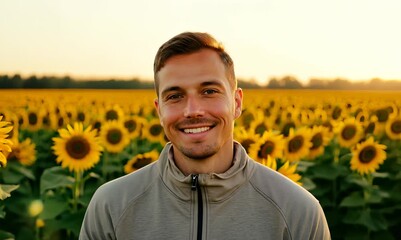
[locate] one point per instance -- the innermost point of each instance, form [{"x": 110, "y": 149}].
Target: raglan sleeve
[
  {"x": 98, "y": 220},
  {"x": 320, "y": 228}
]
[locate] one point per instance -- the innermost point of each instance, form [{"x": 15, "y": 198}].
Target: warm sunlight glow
[{"x": 355, "y": 40}]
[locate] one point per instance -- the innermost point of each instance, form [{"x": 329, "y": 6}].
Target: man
[{"x": 204, "y": 185}]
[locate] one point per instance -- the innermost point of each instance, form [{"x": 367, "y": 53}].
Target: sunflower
[
  {"x": 77, "y": 149},
  {"x": 23, "y": 152},
  {"x": 320, "y": 137},
  {"x": 287, "y": 169},
  {"x": 112, "y": 113},
  {"x": 320, "y": 116},
  {"x": 286, "y": 126},
  {"x": 153, "y": 131},
  {"x": 297, "y": 144},
  {"x": 367, "y": 156},
  {"x": 244, "y": 137},
  {"x": 393, "y": 128},
  {"x": 32, "y": 119},
  {"x": 349, "y": 132},
  {"x": 269, "y": 144},
  {"x": 114, "y": 136},
  {"x": 337, "y": 113},
  {"x": 5, "y": 144},
  {"x": 260, "y": 124},
  {"x": 140, "y": 161},
  {"x": 247, "y": 117},
  {"x": 134, "y": 125}
]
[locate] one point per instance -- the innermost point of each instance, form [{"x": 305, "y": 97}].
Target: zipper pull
[{"x": 194, "y": 182}]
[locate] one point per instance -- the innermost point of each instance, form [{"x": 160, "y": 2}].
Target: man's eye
[
  {"x": 209, "y": 91},
  {"x": 173, "y": 96}
]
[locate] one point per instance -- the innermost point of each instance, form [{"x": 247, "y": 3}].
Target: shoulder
[
  {"x": 295, "y": 203},
  {"x": 118, "y": 193},
  {"x": 280, "y": 189}
]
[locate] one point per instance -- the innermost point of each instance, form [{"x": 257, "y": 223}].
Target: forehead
[{"x": 194, "y": 68}]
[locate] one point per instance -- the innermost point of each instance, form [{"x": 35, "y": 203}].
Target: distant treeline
[{"x": 286, "y": 82}]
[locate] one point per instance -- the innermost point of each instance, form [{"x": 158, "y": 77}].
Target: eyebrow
[{"x": 203, "y": 84}]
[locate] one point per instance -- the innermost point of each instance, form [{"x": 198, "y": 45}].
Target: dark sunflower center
[
  {"x": 261, "y": 128},
  {"x": 97, "y": 125},
  {"x": 60, "y": 122},
  {"x": 247, "y": 119},
  {"x": 13, "y": 156},
  {"x": 287, "y": 127},
  {"x": 370, "y": 128},
  {"x": 267, "y": 112},
  {"x": 382, "y": 115},
  {"x": 32, "y": 118},
  {"x": 367, "y": 154},
  {"x": 317, "y": 141},
  {"x": 46, "y": 121},
  {"x": 247, "y": 143},
  {"x": 348, "y": 132},
  {"x": 328, "y": 125},
  {"x": 141, "y": 162},
  {"x": 114, "y": 136},
  {"x": 266, "y": 149},
  {"x": 81, "y": 116},
  {"x": 20, "y": 120},
  {"x": 396, "y": 127},
  {"x": 111, "y": 115},
  {"x": 77, "y": 147},
  {"x": 130, "y": 125},
  {"x": 156, "y": 130},
  {"x": 295, "y": 144},
  {"x": 336, "y": 113}
]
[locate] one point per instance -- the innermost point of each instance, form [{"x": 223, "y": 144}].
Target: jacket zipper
[{"x": 196, "y": 187}]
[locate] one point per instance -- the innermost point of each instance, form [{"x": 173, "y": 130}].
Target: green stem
[
  {"x": 105, "y": 165},
  {"x": 77, "y": 189}
]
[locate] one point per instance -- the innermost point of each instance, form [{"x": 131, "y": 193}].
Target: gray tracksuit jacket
[{"x": 248, "y": 201}]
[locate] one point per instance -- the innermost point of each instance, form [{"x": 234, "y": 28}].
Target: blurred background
[{"x": 103, "y": 39}]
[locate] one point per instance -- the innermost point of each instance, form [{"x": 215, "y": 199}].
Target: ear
[
  {"x": 157, "y": 106},
  {"x": 238, "y": 95}
]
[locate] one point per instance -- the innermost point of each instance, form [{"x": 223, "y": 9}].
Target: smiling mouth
[{"x": 196, "y": 130}]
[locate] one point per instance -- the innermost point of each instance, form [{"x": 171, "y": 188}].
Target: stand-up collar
[{"x": 218, "y": 186}]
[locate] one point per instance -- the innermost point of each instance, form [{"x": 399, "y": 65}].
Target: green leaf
[
  {"x": 55, "y": 177},
  {"x": 355, "y": 199},
  {"x": 356, "y": 179},
  {"x": 6, "y": 235},
  {"x": 23, "y": 171},
  {"x": 2, "y": 212},
  {"x": 381, "y": 174},
  {"x": 53, "y": 207},
  {"x": 15, "y": 172},
  {"x": 5, "y": 190},
  {"x": 71, "y": 222},
  {"x": 377, "y": 195},
  {"x": 327, "y": 171},
  {"x": 308, "y": 184},
  {"x": 373, "y": 220},
  {"x": 346, "y": 157}
]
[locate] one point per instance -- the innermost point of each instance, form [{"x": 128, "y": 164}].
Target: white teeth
[{"x": 196, "y": 130}]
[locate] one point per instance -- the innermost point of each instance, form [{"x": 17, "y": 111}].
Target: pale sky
[{"x": 351, "y": 39}]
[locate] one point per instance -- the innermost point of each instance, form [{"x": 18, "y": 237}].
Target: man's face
[{"x": 196, "y": 105}]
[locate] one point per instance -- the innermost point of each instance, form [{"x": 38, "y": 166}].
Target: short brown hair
[{"x": 190, "y": 42}]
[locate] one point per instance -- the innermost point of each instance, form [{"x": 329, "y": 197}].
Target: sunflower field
[{"x": 58, "y": 146}]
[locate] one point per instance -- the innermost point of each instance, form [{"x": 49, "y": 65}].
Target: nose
[{"x": 193, "y": 108}]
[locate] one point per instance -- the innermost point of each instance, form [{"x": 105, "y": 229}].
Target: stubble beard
[{"x": 199, "y": 153}]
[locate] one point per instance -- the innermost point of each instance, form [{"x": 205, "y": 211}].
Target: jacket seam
[
  {"x": 275, "y": 204},
  {"x": 132, "y": 201}
]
